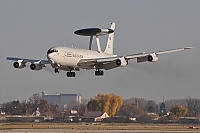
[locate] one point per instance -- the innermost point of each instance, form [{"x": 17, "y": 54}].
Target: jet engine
[
  {"x": 36, "y": 66},
  {"x": 152, "y": 57},
  {"x": 19, "y": 64},
  {"x": 121, "y": 62}
]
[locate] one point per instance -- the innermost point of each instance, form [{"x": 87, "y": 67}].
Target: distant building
[
  {"x": 91, "y": 116},
  {"x": 63, "y": 101}
]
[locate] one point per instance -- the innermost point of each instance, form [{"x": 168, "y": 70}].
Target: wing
[
  {"x": 116, "y": 61},
  {"x": 108, "y": 62},
  {"x": 101, "y": 63},
  {"x": 35, "y": 64},
  {"x": 152, "y": 57},
  {"x": 28, "y": 60}
]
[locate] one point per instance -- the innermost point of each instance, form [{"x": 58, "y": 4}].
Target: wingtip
[{"x": 7, "y": 58}]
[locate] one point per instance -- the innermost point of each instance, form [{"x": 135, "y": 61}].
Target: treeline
[
  {"x": 192, "y": 104},
  {"x": 114, "y": 105},
  {"x": 145, "y": 110},
  {"x": 28, "y": 107}
]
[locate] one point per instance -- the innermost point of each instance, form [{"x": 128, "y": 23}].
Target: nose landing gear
[{"x": 56, "y": 70}]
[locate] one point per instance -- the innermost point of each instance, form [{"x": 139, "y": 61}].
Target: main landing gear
[
  {"x": 99, "y": 73},
  {"x": 71, "y": 74}
]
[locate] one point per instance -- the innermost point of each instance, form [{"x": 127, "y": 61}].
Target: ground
[{"x": 94, "y": 127}]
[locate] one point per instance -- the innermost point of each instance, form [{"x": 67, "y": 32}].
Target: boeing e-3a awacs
[{"x": 73, "y": 59}]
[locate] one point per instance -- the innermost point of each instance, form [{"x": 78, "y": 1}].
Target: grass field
[{"x": 97, "y": 126}]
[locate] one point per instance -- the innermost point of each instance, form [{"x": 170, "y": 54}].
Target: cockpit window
[{"x": 51, "y": 51}]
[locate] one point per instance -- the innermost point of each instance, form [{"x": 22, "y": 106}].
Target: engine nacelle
[
  {"x": 19, "y": 64},
  {"x": 35, "y": 66},
  {"x": 152, "y": 57},
  {"x": 121, "y": 62}
]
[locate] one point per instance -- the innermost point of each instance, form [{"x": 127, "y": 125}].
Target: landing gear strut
[
  {"x": 56, "y": 70},
  {"x": 99, "y": 73},
  {"x": 71, "y": 74}
]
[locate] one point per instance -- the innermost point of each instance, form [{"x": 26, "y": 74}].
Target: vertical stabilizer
[{"x": 109, "y": 46}]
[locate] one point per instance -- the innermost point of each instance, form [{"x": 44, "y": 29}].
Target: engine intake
[
  {"x": 36, "y": 66},
  {"x": 121, "y": 62},
  {"x": 152, "y": 57},
  {"x": 118, "y": 62},
  {"x": 19, "y": 64}
]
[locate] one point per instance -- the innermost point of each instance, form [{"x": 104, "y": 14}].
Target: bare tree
[{"x": 193, "y": 106}]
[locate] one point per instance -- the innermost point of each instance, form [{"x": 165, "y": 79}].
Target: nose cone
[{"x": 49, "y": 53}]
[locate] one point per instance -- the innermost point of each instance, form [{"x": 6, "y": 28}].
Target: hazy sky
[{"x": 28, "y": 28}]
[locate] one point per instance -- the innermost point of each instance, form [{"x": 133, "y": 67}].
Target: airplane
[{"x": 73, "y": 59}]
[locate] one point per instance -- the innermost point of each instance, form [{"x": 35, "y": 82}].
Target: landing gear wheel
[
  {"x": 56, "y": 70},
  {"x": 99, "y": 73},
  {"x": 96, "y": 73},
  {"x": 71, "y": 74}
]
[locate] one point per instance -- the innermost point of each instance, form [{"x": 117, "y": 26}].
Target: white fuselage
[{"x": 65, "y": 56}]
